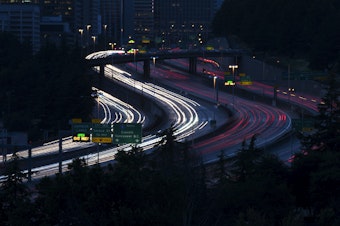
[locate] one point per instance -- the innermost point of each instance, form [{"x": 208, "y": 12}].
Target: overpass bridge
[{"x": 110, "y": 57}]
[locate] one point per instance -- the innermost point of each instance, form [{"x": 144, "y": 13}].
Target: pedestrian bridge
[{"x": 112, "y": 57}]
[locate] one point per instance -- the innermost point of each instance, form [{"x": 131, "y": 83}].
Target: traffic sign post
[
  {"x": 81, "y": 132},
  {"x": 245, "y": 80},
  {"x": 304, "y": 75},
  {"x": 119, "y": 133},
  {"x": 304, "y": 125},
  {"x": 124, "y": 133},
  {"x": 229, "y": 80},
  {"x": 101, "y": 133}
]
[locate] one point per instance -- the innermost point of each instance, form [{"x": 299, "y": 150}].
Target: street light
[
  {"x": 154, "y": 65},
  {"x": 112, "y": 45},
  {"x": 233, "y": 67},
  {"x": 88, "y": 27},
  {"x": 94, "y": 43},
  {"x": 105, "y": 27},
  {"x": 134, "y": 57},
  {"x": 81, "y": 31},
  {"x": 216, "y": 90}
]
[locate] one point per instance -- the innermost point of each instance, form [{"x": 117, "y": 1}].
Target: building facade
[
  {"x": 156, "y": 23},
  {"x": 23, "y": 21},
  {"x": 184, "y": 22}
]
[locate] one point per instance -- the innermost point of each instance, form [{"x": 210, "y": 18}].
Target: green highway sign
[
  {"x": 245, "y": 80},
  {"x": 81, "y": 127},
  {"x": 81, "y": 132},
  {"x": 101, "y": 133},
  {"x": 124, "y": 133},
  {"x": 304, "y": 125},
  {"x": 229, "y": 80},
  {"x": 304, "y": 75}
]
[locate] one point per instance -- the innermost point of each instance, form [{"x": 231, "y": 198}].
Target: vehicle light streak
[
  {"x": 267, "y": 123},
  {"x": 185, "y": 118},
  {"x": 124, "y": 113}
]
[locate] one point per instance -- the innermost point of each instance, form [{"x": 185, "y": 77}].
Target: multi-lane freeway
[
  {"x": 191, "y": 107},
  {"x": 248, "y": 118},
  {"x": 185, "y": 115}
]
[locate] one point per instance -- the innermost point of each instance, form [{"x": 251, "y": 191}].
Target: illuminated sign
[
  {"x": 125, "y": 133},
  {"x": 81, "y": 132},
  {"x": 101, "y": 133},
  {"x": 229, "y": 80},
  {"x": 229, "y": 83},
  {"x": 245, "y": 80}
]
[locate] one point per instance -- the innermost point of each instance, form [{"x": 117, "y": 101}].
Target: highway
[
  {"x": 109, "y": 108},
  {"x": 189, "y": 118},
  {"x": 286, "y": 92},
  {"x": 186, "y": 116},
  {"x": 300, "y": 104},
  {"x": 249, "y": 118}
]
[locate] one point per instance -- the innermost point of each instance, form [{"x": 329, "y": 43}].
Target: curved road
[{"x": 250, "y": 118}]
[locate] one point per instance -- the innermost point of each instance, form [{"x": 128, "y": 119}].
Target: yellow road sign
[{"x": 101, "y": 139}]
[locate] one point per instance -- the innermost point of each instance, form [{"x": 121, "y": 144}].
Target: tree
[
  {"x": 326, "y": 136},
  {"x": 245, "y": 160},
  {"x": 315, "y": 172},
  {"x": 16, "y": 207},
  {"x": 179, "y": 175},
  {"x": 42, "y": 91},
  {"x": 257, "y": 181},
  {"x": 300, "y": 29}
]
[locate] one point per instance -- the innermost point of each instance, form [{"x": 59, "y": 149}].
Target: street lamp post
[
  {"x": 112, "y": 45},
  {"x": 94, "y": 43},
  {"x": 134, "y": 57},
  {"x": 216, "y": 90},
  {"x": 88, "y": 27},
  {"x": 81, "y": 31},
  {"x": 154, "y": 66},
  {"x": 233, "y": 67},
  {"x": 105, "y": 27}
]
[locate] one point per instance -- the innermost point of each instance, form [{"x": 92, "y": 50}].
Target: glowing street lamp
[
  {"x": 112, "y": 45},
  {"x": 81, "y": 31},
  {"x": 105, "y": 27},
  {"x": 88, "y": 27},
  {"x": 134, "y": 57},
  {"x": 154, "y": 60},
  {"x": 233, "y": 67},
  {"x": 215, "y": 89},
  {"x": 94, "y": 43}
]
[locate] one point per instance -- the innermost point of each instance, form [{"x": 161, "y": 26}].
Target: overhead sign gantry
[{"x": 117, "y": 133}]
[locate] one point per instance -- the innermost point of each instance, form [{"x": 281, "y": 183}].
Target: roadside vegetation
[
  {"x": 41, "y": 93},
  {"x": 304, "y": 30}
]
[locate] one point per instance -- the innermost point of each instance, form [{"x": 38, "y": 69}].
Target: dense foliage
[
  {"x": 297, "y": 29},
  {"x": 42, "y": 91}
]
